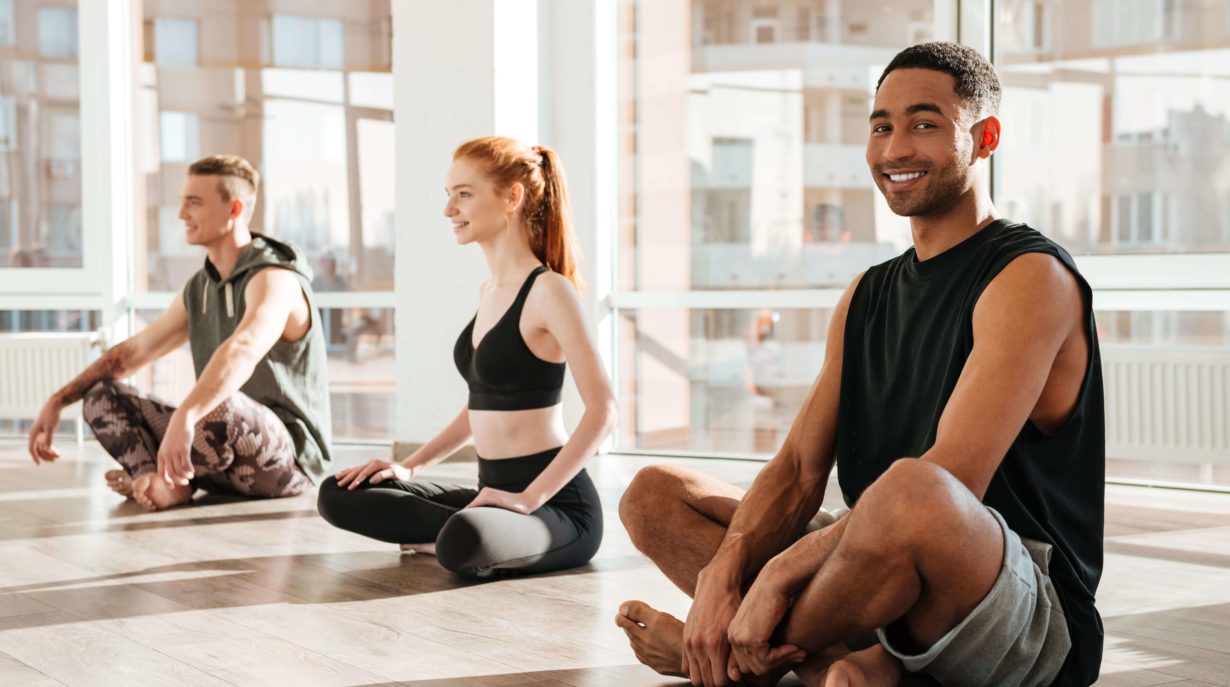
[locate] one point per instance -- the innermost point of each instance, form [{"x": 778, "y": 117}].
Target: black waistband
[
  {"x": 521, "y": 400},
  {"x": 503, "y": 473}
]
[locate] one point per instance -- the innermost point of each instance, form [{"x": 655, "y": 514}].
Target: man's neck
[
  {"x": 937, "y": 233},
  {"x": 224, "y": 252}
]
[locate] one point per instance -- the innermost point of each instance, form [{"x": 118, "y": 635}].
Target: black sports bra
[{"x": 503, "y": 373}]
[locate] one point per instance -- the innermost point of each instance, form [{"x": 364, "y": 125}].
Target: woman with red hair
[{"x": 536, "y": 509}]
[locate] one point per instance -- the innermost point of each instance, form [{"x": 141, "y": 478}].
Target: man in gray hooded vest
[{"x": 256, "y": 422}]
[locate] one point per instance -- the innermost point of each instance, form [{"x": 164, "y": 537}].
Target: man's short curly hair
[{"x": 977, "y": 84}]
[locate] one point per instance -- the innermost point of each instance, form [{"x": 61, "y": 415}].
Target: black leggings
[{"x": 563, "y": 533}]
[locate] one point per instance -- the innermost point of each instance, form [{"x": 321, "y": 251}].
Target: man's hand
[
  {"x": 759, "y": 615},
  {"x": 706, "y": 649},
  {"x": 175, "y": 452},
  {"x": 516, "y": 502},
  {"x": 43, "y": 430}
]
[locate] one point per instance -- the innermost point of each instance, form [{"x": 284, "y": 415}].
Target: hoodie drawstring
[{"x": 230, "y": 300}]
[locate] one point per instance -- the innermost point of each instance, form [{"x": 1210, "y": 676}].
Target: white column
[
  {"x": 461, "y": 69},
  {"x": 580, "y": 87}
]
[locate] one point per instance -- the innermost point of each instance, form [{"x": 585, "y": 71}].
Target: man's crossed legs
[
  {"x": 917, "y": 556},
  {"x": 240, "y": 447}
]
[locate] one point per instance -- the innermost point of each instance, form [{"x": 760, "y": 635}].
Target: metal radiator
[
  {"x": 33, "y": 366},
  {"x": 1167, "y": 403}
]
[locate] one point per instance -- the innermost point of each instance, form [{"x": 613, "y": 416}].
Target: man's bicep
[
  {"x": 1019, "y": 324},
  {"x": 813, "y": 435},
  {"x": 268, "y": 300}
]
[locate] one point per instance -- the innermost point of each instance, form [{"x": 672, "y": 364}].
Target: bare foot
[
  {"x": 872, "y": 667},
  {"x": 120, "y": 482},
  {"x": 656, "y": 637},
  {"x": 153, "y": 492},
  {"x": 429, "y": 549}
]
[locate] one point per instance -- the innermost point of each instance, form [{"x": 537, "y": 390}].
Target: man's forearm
[
  {"x": 230, "y": 366},
  {"x": 799, "y": 563},
  {"x": 110, "y": 365},
  {"x": 774, "y": 510}
]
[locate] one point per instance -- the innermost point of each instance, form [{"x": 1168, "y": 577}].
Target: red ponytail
[{"x": 546, "y": 211}]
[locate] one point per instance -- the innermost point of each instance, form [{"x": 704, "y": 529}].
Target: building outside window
[{"x": 743, "y": 163}]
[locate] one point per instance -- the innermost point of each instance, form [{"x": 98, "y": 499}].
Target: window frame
[{"x": 1149, "y": 282}]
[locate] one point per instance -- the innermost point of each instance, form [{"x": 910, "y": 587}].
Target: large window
[
  {"x": 742, "y": 171},
  {"x": 1134, "y": 99},
  {"x": 1117, "y": 134},
  {"x": 746, "y": 204},
  {"x": 40, "y": 142},
  {"x": 304, "y": 91}
]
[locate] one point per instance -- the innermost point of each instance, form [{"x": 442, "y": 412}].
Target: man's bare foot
[
  {"x": 656, "y": 637},
  {"x": 429, "y": 549},
  {"x": 153, "y": 492},
  {"x": 120, "y": 482},
  {"x": 872, "y": 667}
]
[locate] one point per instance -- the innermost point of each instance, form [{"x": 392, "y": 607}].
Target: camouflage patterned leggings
[{"x": 240, "y": 447}]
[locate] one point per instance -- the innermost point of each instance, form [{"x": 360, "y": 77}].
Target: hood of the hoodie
[{"x": 263, "y": 252}]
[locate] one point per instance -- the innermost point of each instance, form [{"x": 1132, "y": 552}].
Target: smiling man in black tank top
[{"x": 961, "y": 401}]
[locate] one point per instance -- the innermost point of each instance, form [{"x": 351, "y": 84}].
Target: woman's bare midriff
[{"x": 516, "y": 433}]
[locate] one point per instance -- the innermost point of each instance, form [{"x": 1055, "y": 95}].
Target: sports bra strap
[{"x": 519, "y": 302}]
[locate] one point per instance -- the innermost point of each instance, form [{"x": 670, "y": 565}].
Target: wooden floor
[{"x": 93, "y": 591}]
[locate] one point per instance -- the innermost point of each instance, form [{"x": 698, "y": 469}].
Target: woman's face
[{"x": 478, "y": 210}]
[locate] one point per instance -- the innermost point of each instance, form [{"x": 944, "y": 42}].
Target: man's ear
[
  {"x": 988, "y": 131},
  {"x": 237, "y": 208}
]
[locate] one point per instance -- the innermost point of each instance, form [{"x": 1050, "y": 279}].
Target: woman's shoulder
[
  {"x": 552, "y": 291},
  {"x": 555, "y": 285}
]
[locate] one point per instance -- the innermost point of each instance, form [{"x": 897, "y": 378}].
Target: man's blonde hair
[{"x": 237, "y": 178}]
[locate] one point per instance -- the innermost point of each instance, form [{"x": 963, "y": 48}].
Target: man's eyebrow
[
  {"x": 912, "y": 109},
  {"x": 460, "y": 186},
  {"x": 923, "y": 107},
  {"x": 192, "y": 197}
]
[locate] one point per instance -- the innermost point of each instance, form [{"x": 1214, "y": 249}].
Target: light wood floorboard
[{"x": 94, "y": 591}]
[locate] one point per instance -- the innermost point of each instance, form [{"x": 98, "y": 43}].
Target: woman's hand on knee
[
  {"x": 517, "y": 503},
  {"x": 375, "y": 471},
  {"x": 394, "y": 471}
]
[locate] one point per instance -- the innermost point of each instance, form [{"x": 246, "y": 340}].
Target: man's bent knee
[
  {"x": 915, "y": 496},
  {"x": 645, "y": 494},
  {"x": 96, "y": 399}
]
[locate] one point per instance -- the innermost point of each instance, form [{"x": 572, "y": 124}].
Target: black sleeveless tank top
[
  {"x": 908, "y": 334},
  {"x": 503, "y": 373}
]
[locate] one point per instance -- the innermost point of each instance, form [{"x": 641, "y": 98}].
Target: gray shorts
[{"x": 1016, "y": 635}]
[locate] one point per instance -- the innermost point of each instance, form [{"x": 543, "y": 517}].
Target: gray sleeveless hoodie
[{"x": 290, "y": 380}]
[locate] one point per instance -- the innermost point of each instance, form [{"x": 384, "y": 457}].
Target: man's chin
[{"x": 904, "y": 209}]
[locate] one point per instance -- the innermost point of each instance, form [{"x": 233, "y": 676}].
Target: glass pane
[
  {"x": 1167, "y": 381},
  {"x": 743, "y": 131},
  {"x": 57, "y": 31},
  {"x": 276, "y": 95},
  {"x": 715, "y": 381},
  {"x": 40, "y": 135},
  {"x": 1134, "y": 99},
  {"x": 175, "y": 42},
  {"x": 375, "y": 261},
  {"x": 362, "y": 372},
  {"x": 301, "y": 41},
  {"x": 12, "y": 321}
]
